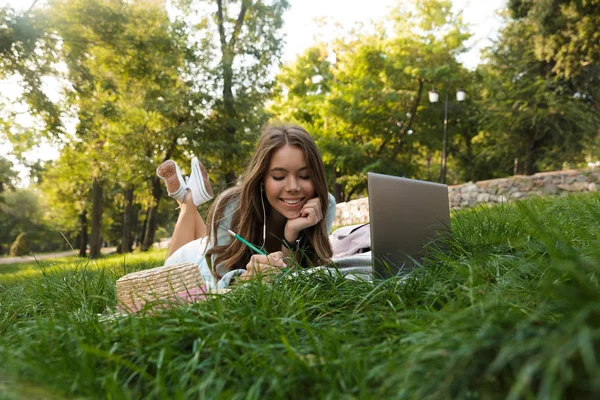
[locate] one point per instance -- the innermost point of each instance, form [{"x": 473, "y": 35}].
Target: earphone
[{"x": 262, "y": 189}]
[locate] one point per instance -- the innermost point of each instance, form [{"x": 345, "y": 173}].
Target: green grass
[
  {"x": 511, "y": 310},
  {"x": 123, "y": 262}
]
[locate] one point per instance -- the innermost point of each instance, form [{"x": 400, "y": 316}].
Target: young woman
[{"x": 282, "y": 205}]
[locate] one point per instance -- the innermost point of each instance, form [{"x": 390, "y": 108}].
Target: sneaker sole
[
  {"x": 169, "y": 172},
  {"x": 204, "y": 187}
]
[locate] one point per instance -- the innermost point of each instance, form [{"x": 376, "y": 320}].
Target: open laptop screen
[{"x": 405, "y": 215}]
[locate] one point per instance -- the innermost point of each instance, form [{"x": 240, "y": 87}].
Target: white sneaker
[
  {"x": 199, "y": 183},
  {"x": 169, "y": 172}
]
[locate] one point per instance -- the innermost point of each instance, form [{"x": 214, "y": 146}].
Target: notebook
[{"x": 405, "y": 215}]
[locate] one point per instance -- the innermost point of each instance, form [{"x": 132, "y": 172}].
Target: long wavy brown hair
[{"x": 247, "y": 218}]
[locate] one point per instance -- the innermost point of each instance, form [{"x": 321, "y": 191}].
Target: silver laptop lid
[{"x": 405, "y": 214}]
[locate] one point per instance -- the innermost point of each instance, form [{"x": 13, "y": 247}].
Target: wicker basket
[{"x": 166, "y": 283}]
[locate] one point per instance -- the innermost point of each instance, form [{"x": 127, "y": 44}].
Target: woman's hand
[
  {"x": 310, "y": 215},
  {"x": 263, "y": 265}
]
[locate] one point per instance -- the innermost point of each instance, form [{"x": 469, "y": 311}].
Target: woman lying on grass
[{"x": 282, "y": 206}]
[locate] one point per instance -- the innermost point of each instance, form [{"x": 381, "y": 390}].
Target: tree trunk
[
  {"x": 337, "y": 188},
  {"x": 135, "y": 227},
  {"x": 96, "y": 235},
  {"x": 83, "y": 235},
  {"x": 152, "y": 214},
  {"x": 428, "y": 158},
  {"x": 150, "y": 228},
  {"x": 127, "y": 242},
  {"x": 530, "y": 158},
  {"x": 230, "y": 177},
  {"x": 227, "y": 57},
  {"x": 142, "y": 232},
  {"x": 351, "y": 192},
  {"x": 468, "y": 157},
  {"x": 228, "y": 103},
  {"x": 229, "y": 117}
]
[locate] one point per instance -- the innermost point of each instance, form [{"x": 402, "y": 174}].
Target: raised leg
[
  {"x": 201, "y": 229},
  {"x": 190, "y": 225}
]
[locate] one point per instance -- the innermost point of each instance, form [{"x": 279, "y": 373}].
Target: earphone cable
[{"x": 264, "y": 218}]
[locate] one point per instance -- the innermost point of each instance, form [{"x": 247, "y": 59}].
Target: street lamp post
[{"x": 433, "y": 98}]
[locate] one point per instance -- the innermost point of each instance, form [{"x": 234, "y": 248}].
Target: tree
[
  {"x": 7, "y": 178},
  {"x": 20, "y": 247},
  {"x": 245, "y": 37},
  {"x": 566, "y": 36},
  {"x": 24, "y": 211},
  {"x": 143, "y": 91},
  {"x": 28, "y": 51},
  {"x": 66, "y": 185},
  {"x": 125, "y": 63},
  {"x": 533, "y": 114},
  {"x": 565, "y": 32}
]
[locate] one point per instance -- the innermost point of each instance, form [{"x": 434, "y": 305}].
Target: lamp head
[
  {"x": 461, "y": 95},
  {"x": 433, "y": 96}
]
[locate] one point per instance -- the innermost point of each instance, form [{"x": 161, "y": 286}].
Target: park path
[{"x": 46, "y": 256}]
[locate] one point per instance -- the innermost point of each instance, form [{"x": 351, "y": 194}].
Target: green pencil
[{"x": 247, "y": 243}]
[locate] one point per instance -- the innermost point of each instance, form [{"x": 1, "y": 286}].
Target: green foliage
[
  {"x": 363, "y": 96},
  {"x": 8, "y": 176},
  {"x": 66, "y": 185},
  {"x": 162, "y": 233},
  {"x": 126, "y": 86},
  {"x": 510, "y": 310},
  {"x": 142, "y": 88},
  {"x": 564, "y": 36},
  {"x": 28, "y": 52},
  {"x": 542, "y": 120},
  {"x": 20, "y": 247},
  {"x": 24, "y": 211},
  {"x": 565, "y": 33}
]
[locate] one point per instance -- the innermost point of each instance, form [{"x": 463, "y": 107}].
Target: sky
[
  {"x": 301, "y": 28},
  {"x": 301, "y": 31}
]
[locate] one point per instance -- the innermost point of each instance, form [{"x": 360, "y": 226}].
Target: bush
[{"x": 20, "y": 247}]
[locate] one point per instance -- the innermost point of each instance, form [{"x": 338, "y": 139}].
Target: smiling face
[{"x": 288, "y": 183}]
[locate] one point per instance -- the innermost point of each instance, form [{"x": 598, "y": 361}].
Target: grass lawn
[
  {"x": 121, "y": 264},
  {"x": 511, "y": 310}
]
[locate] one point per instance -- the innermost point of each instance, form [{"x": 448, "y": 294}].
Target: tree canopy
[
  {"x": 143, "y": 87},
  {"x": 565, "y": 32}
]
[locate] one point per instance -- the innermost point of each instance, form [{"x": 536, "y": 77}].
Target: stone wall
[{"x": 493, "y": 191}]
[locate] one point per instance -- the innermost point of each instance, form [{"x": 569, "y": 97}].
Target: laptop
[{"x": 405, "y": 215}]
